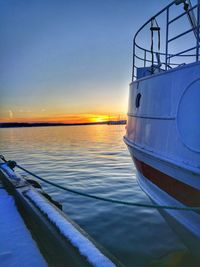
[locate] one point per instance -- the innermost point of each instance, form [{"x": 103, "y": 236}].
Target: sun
[{"x": 99, "y": 118}]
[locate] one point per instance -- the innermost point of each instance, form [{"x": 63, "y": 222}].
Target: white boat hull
[
  {"x": 185, "y": 223},
  {"x": 163, "y": 137}
]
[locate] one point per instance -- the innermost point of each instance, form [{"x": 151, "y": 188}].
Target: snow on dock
[
  {"x": 17, "y": 248},
  {"x": 86, "y": 248}
]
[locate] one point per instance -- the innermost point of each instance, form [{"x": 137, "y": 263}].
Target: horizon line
[{"x": 37, "y": 124}]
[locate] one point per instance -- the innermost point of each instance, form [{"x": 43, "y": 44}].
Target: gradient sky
[{"x": 66, "y": 60}]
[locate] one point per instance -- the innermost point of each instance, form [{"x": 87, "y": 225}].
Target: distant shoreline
[{"x": 45, "y": 124}]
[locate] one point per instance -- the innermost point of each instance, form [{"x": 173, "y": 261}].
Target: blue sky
[{"x": 67, "y": 57}]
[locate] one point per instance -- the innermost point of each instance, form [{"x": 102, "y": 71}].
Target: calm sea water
[{"x": 95, "y": 160}]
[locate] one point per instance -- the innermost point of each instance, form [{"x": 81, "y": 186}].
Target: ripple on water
[{"x": 94, "y": 159}]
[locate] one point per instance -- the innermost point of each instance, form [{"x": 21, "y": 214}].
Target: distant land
[{"x": 46, "y": 124}]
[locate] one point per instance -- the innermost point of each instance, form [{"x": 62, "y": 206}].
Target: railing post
[
  {"x": 197, "y": 43},
  {"x": 133, "y": 68},
  {"x": 145, "y": 55},
  {"x": 167, "y": 33}
]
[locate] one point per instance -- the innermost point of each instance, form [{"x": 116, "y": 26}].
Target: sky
[{"x": 68, "y": 60}]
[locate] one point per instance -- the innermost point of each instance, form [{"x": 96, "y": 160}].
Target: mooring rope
[{"x": 120, "y": 202}]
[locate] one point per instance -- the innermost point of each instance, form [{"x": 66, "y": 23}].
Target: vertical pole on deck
[
  {"x": 133, "y": 68},
  {"x": 167, "y": 33},
  {"x": 152, "y": 52},
  {"x": 198, "y": 18}
]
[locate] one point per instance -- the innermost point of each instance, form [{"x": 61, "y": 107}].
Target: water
[{"x": 95, "y": 160}]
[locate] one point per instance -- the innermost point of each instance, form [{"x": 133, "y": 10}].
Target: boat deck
[{"x": 17, "y": 248}]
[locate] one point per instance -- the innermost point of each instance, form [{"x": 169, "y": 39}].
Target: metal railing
[{"x": 165, "y": 60}]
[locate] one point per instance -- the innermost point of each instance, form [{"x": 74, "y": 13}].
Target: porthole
[{"x": 137, "y": 100}]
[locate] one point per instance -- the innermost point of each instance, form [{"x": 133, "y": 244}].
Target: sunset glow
[
  {"x": 69, "y": 118},
  {"x": 74, "y": 68}
]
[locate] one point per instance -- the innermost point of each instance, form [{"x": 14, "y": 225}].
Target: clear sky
[{"x": 68, "y": 60}]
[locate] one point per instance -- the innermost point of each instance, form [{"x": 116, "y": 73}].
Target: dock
[
  {"x": 36, "y": 232},
  {"x": 17, "y": 246}
]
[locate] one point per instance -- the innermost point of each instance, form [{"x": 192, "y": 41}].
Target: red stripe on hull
[{"x": 182, "y": 192}]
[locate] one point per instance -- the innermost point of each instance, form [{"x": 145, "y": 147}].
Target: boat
[{"x": 163, "y": 127}]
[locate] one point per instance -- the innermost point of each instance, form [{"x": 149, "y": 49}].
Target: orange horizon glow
[{"x": 69, "y": 118}]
